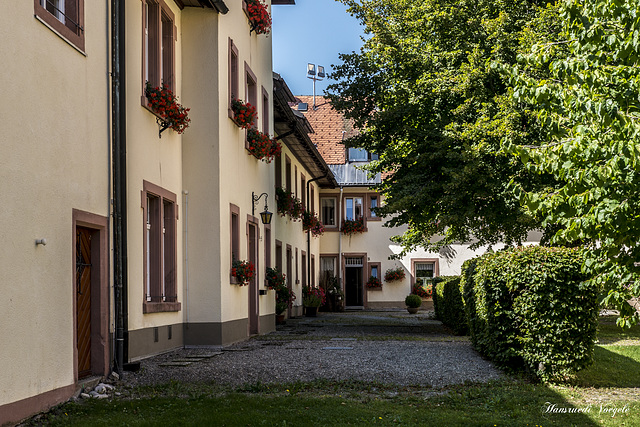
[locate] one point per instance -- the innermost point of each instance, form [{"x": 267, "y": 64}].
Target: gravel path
[{"x": 388, "y": 347}]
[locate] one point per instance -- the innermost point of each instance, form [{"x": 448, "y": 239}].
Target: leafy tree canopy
[
  {"x": 589, "y": 108},
  {"x": 425, "y": 96}
]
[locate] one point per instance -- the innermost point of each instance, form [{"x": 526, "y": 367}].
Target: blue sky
[{"x": 311, "y": 31}]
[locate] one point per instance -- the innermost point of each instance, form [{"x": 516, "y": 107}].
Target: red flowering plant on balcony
[
  {"x": 262, "y": 146},
  {"x": 374, "y": 283},
  {"x": 259, "y": 17},
  {"x": 164, "y": 104},
  {"x": 288, "y": 205},
  {"x": 243, "y": 271},
  {"x": 310, "y": 222},
  {"x": 352, "y": 226},
  {"x": 244, "y": 114},
  {"x": 394, "y": 274}
]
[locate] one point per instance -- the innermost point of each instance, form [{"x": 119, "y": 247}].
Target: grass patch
[
  {"x": 338, "y": 404},
  {"x": 615, "y": 366}
]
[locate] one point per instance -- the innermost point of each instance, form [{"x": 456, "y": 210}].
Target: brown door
[
  {"x": 83, "y": 300},
  {"x": 253, "y": 283}
]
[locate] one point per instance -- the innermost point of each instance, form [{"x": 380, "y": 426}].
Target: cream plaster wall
[
  {"x": 240, "y": 173},
  {"x": 151, "y": 158},
  {"x": 54, "y": 157},
  {"x": 203, "y": 78},
  {"x": 376, "y": 243},
  {"x": 291, "y": 232}
]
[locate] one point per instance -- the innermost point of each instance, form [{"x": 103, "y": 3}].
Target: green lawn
[{"x": 609, "y": 387}]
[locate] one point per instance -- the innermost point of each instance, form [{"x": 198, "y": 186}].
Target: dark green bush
[
  {"x": 450, "y": 308},
  {"x": 532, "y": 308},
  {"x": 413, "y": 301}
]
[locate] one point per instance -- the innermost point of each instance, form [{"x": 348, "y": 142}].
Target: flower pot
[
  {"x": 280, "y": 319},
  {"x": 412, "y": 310},
  {"x": 311, "y": 311}
]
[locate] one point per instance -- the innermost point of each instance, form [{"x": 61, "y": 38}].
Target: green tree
[
  {"x": 589, "y": 108},
  {"x": 424, "y": 96}
]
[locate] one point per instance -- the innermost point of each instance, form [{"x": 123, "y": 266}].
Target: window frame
[
  {"x": 75, "y": 38},
  {"x": 234, "y": 238},
  {"x": 370, "y": 267},
  {"x": 157, "y": 60},
  {"x": 166, "y": 258},
  {"x": 371, "y": 216},
  {"x": 335, "y": 209},
  {"x": 234, "y": 76},
  {"x": 416, "y": 261}
]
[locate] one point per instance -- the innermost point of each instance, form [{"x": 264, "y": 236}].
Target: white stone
[{"x": 85, "y": 395}]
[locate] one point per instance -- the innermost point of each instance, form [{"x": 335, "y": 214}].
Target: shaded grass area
[
  {"x": 333, "y": 404},
  {"x": 610, "y": 333}
]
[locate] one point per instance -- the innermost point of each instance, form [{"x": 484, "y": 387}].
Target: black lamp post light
[{"x": 264, "y": 215}]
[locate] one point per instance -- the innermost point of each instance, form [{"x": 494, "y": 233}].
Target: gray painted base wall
[
  {"x": 426, "y": 305},
  {"x": 142, "y": 341}
]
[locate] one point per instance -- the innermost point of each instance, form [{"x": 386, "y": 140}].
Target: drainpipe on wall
[
  {"x": 339, "y": 260},
  {"x": 118, "y": 97}
]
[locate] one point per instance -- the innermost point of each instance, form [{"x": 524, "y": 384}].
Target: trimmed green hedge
[
  {"x": 531, "y": 307},
  {"x": 448, "y": 305}
]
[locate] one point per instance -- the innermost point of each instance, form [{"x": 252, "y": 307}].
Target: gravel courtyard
[{"x": 389, "y": 347}]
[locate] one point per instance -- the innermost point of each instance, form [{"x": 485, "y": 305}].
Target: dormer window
[{"x": 360, "y": 155}]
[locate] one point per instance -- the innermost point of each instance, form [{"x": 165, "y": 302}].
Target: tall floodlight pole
[{"x": 311, "y": 73}]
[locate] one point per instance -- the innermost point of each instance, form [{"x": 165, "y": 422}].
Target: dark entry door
[
  {"x": 353, "y": 286},
  {"x": 253, "y": 283},
  {"x": 83, "y": 300}
]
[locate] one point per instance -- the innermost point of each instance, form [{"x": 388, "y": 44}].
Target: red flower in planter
[
  {"x": 244, "y": 115},
  {"x": 262, "y": 146},
  {"x": 165, "y": 104},
  {"x": 259, "y": 17},
  {"x": 311, "y": 222},
  {"x": 243, "y": 271}
]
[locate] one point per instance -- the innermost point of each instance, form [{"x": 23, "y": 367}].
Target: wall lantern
[{"x": 264, "y": 215}]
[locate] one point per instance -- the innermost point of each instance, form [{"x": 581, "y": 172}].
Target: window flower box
[
  {"x": 310, "y": 222},
  {"x": 374, "y": 283},
  {"x": 275, "y": 278},
  {"x": 394, "y": 274},
  {"x": 352, "y": 226},
  {"x": 259, "y": 18},
  {"x": 243, "y": 271},
  {"x": 262, "y": 146},
  {"x": 288, "y": 205},
  {"x": 244, "y": 114},
  {"x": 164, "y": 104}
]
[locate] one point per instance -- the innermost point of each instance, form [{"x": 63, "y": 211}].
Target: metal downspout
[{"x": 118, "y": 97}]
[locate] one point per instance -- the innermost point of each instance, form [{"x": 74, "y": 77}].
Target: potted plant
[
  {"x": 394, "y": 274},
  {"x": 284, "y": 298},
  {"x": 413, "y": 302},
  {"x": 244, "y": 115},
  {"x": 374, "y": 283},
  {"x": 310, "y": 222},
  {"x": 312, "y": 298},
  {"x": 258, "y": 15},
  {"x": 243, "y": 271},
  {"x": 164, "y": 104},
  {"x": 352, "y": 226},
  {"x": 275, "y": 278},
  {"x": 262, "y": 146}
]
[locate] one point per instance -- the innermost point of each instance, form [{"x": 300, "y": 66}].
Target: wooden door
[
  {"x": 83, "y": 300},
  {"x": 253, "y": 283}
]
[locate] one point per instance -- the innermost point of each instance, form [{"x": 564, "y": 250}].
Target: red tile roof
[{"x": 330, "y": 129}]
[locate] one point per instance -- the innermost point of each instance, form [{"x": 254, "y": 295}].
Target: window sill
[{"x": 160, "y": 307}]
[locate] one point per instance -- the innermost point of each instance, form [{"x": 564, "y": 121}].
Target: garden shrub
[
  {"x": 533, "y": 309},
  {"x": 450, "y": 309}
]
